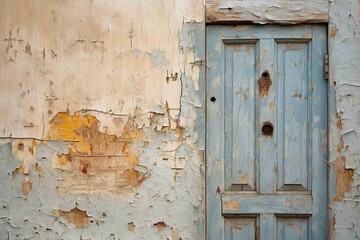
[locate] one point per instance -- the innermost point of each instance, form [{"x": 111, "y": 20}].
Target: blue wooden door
[{"x": 266, "y": 134}]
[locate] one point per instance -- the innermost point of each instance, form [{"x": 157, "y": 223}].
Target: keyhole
[
  {"x": 213, "y": 99},
  {"x": 265, "y": 74},
  {"x": 267, "y": 129}
]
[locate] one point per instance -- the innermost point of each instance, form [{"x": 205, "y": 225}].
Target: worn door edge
[{"x": 332, "y": 135}]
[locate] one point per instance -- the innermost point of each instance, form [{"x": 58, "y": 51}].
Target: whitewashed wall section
[
  {"x": 95, "y": 93},
  {"x": 101, "y": 119}
]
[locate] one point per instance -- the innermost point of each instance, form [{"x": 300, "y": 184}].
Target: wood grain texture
[
  {"x": 250, "y": 203},
  {"x": 292, "y": 228},
  {"x": 215, "y": 142},
  {"x": 251, "y": 173},
  {"x": 240, "y": 107},
  {"x": 267, "y": 12},
  {"x": 240, "y": 228}
]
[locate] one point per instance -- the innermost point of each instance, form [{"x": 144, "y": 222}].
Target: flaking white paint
[
  {"x": 132, "y": 69},
  {"x": 116, "y": 60}
]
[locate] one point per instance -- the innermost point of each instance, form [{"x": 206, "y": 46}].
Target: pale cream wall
[{"x": 98, "y": 119}]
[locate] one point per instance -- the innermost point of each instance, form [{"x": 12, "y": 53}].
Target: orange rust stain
[
  {"x": 26, "y": 187},
  {"x": 264, "y": 84},
  {"x": 236, "y": 228},
  {"x": 344, "y": 177},
  {"x": 340, "y": 145},
  {"x": 243, "y": 179},
  {"x": 85, "y": 165},
  {"x": 97, "y": 161},
  {"x": 331, "y": 228},
  {"x": 31, "y": 150},
  {"x": 38, "y": 168},
  {"x": 271, "y": 106},
  {"x": 231, "y": 205},
  {"x": 131, "y": 226},
  {"x": 333, "y": 32},
  {"x": 21, "y": 146},
  {"x": 338, "y": 121},
  {"x": 160, "y": 226},
  {"x": 76, "y": 216},
  {"x": 20, "y": 169}
]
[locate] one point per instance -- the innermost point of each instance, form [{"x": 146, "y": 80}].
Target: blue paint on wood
[
  {"x": 292, "y": 228},
  {"x": 240, "y": 90},
  {"x": 279, "y": 179},
  {"x": 240, "y": 228},
  {"x": 254, "y": 204}
]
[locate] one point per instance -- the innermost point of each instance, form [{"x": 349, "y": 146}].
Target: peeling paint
[
  {"x": 131, "y": 226},
  {"x": 160, "y": 226},
  {"x": 266, "y": 12},
  {"x": 86, "y": 102},
  {"x": 109, "y": 119},
  {"x": 76, "y": 216},
  {"x": 231, "y": 205},
  {"x": 344, "y": 36},
  {"x": 97, "y": 162},
  {"x": 343, "y": 178}
]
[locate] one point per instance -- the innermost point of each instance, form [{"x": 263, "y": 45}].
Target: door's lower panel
[
  {"x": 247, "y": 228},
  {"x": 241, "y": 228},
  {"x": 292, "y": 228}
]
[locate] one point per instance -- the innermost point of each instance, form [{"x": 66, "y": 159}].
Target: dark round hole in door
[
  {"x": 267, "y": 129},
  {"x": 213, "y": 99},
  {"x": 265, "y": 74}
]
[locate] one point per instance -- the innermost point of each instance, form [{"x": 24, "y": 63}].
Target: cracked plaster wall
[
  {"x": 101, "y": 119},
  {"x": 112, "y": 93},
  {"x": 344, "y": 147}
]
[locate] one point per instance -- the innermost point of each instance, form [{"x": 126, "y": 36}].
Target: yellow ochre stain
[
  {"x": 62, "y": 159},
  {"x": 96, "y": 156},
  {"x": 64, "y": 127}
]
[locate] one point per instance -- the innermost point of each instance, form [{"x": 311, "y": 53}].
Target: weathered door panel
[{"x": 266, "y": 132}]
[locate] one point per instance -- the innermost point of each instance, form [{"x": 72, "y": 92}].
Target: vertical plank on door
[
  {"x": 215, "y": 134},
  {"x": 267, "y": 102},
  {"x": 319, "y": 134},
  {"x": 240, "y": 67},
  {"x": 292, "y": 78},
  {"x": 268, "y": 228}
]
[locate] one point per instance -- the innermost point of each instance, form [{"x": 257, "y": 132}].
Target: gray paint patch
[{"x": 158, "y": 58}]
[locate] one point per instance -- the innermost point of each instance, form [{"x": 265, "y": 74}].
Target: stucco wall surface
[
  {"x": 344, "y": 145},
  {"x": 101, "y": 119}
]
